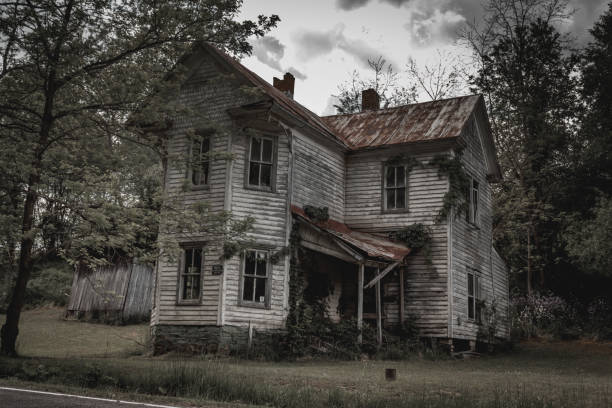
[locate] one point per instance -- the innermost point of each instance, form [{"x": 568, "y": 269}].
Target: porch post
[
  {"x": 378, "y": 312},
  {"x": 401, "y": 288},
  {"x": 360, "y": 301}
]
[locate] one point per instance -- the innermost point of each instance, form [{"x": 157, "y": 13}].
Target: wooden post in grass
[{"x": 360, "y": 302}]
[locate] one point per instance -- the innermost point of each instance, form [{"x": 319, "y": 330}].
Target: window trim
[
  {"x": 269, "y": 270},
  {"x": 383, "y": 189},
  {"x": 476, "y": 296},
  {"x": 181, "y": 264},
  {"x": 247, "y": 162},
  {"x": 204, "y": 134},
  {"x": 475, "y": 222}
]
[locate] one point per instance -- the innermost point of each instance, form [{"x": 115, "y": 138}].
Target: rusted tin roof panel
[
  {"x": 442, "y": 119},
  {"x": 373, "y": 246}
]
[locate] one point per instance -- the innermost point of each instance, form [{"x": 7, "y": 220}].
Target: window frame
[
  {"x": 476, "y": 297},
  {"x": 247, "y": 168},
  {"x": 268, "y": 278},
  {"x": 202, "y": 135},
  {"x": 384, "y": 188},
  {"x": 181, "y": 273},
  {"x": 472, "y": 215}
]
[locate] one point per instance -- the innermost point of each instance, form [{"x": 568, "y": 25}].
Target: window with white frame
[
  {"x": 474, "y": 301},
  {"x": 255, "y": 277},
  {"x": 190, "y": 276},
  {"x": 261, "y": 162},
  {"x": 394, "y": 189},
  {"x": 472, "y": 201},
  {"x": 200, "y": 161}
]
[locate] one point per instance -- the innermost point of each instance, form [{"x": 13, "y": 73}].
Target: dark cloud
[
  {"x": 586, "y": 13},
  {"x": 269, "y": 51},
  {"x": 313, "y": 44},
  {"x": 355, "y": 4},
  {"x": 296, "y": 73}
]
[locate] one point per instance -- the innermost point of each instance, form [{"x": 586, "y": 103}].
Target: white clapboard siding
[
  {"x": 207, "y": 94},
  {"x": 425, "y": 285},
  {"x": 318, "y": 175},
  {"x": 472, "y": 248}
]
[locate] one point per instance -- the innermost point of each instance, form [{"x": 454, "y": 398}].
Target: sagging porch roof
[{"x": 372, "y": 246}]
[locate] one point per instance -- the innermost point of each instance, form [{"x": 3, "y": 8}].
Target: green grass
[{"x": 546, "y": 374}]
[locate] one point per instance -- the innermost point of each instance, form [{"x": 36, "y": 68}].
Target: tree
[
  {"x": 526, "y": 73},
  {"x": 71, "y": 73},
  {"x": 439, "y": 80}
]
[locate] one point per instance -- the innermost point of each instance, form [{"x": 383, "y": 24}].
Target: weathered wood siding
[
  {"x": 270, "y": 211},
  {"x": 318, "y": 175},
  {"x": 208, "y": 93},
  {"x": 425, "y": 285},
  {"x": 472, "y": 244},
  {"x": 123, "y": 289}
]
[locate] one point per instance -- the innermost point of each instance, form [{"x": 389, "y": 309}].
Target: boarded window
[
  {"x": 255, "y": 277},
  {"x": 261, "y": 162},
  {"x": 395, "y": 190},
  {"x": 200, "y": 161},
  {"x": 190, "y": 284},
  {"x": 474, "y": 301}
]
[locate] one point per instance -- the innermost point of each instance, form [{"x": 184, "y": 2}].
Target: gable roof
[{"x": 419, "y": 122}]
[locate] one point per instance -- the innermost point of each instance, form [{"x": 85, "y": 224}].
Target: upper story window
[
  {"x": 200, "y": 161},
  {"x": 255, "y": 278},
  {"x": 474, "y": 301},
  {"x": 190, "y": 276},
  {"x": 261, "y": 162},
  {"x": 472, "y": 201},
  {"x": 394, "y": 189}
]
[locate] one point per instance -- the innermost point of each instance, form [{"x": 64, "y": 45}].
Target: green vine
[
  {"x": 417, "y": 237},
  {"x": 317, "y": 214},
  {"x": 403, "y": 159},
  {"x": 459, "y": 181}
]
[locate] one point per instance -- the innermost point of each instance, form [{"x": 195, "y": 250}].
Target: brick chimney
[
  {"x": 285, "y": 85},
  {"x": 370, "y": 100}
]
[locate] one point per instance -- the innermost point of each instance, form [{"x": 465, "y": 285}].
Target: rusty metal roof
[
  {"x": 419, "y": 122},
  {"x": 372, "y": 245},
  {"x": 277, "y": 96}
]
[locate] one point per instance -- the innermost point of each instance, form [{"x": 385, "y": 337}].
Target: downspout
[
  {"x": 227, "y": 207},
  {"x": 449, "y": 266},
  {"x": 288, "y": 217}
]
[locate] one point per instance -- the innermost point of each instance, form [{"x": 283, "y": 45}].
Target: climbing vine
[
  {"x": 317, "y": 214},
  {"x": 459, "y": 181},
  {"x": 417, "y": 237},
  {"x": 403, "y": 159}
]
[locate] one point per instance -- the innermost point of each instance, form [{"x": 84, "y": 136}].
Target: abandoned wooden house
[{"x": 375, "y": 173}]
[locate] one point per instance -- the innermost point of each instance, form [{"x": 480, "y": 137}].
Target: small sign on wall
[{"x": 217, "y": 269}]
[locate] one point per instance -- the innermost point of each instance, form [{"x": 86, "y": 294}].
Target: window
[
  {"x": 200, "y": 161},
  {"x": 472, "y": 201},
  {"x": 474, "y": 302},
  {"x": 261, "y": 162},
  {"x": 394, "y": 194},
  {"x": 190, "y": 282},
  {"x": 255, "y": 278}
]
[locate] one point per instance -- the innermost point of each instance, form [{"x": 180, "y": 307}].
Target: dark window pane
[
  {"x": 261, "y": 264},
  {"x": 204, "y": 176},
  {"x": 195, "y": 176},
  {"x": 249, "y": 263},
  {"x": 390, "y": 199},
  {"x": 255, "y": 148},
  {"x": 188, "y": 259},
  {"x": 266, "y": 175},
  {"x": 260, "y": 290},
  {"x": 390, "y": 176},
  {"x": 254, "y": 174},
  {"x": 205, "y": 148},
  {"x": 267, "y": 150},
  {"x": 470, "y": 307},
  {"x": 401, "y": 198},
  {"x": 400, "y": 177},
  {"x": 475, "y": 205},
  {"x": 247, "y": 291},
  {"x": 197, "y": 258},
  {"x": 478, "y": 312}
]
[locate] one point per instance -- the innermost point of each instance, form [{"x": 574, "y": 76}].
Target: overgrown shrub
[
  {"x": 543, "y": 315},
  {"x": 50, "y": 285}
]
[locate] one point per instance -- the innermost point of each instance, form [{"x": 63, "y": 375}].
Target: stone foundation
[{"x": 207, "y": 339}]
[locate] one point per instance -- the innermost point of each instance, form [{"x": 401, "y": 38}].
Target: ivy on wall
[
  {"x": 459, "y": 183},
  {"x": 416, "y": 236}
]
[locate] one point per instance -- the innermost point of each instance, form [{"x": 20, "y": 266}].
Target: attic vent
[
  {"x": 285, "y": 85},
  {"x": 370, "y": 100}
]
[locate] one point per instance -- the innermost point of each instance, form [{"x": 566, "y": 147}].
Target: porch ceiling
[{"x": 370, "y": 245}]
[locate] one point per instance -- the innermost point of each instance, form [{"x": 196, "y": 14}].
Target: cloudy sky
[{"x": 322, "y": 41}]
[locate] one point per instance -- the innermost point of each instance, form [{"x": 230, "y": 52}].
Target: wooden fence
[{"x": 117, "y": 292}]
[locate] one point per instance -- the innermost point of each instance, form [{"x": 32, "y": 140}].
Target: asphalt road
[{"x": 20, "y": 398}]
